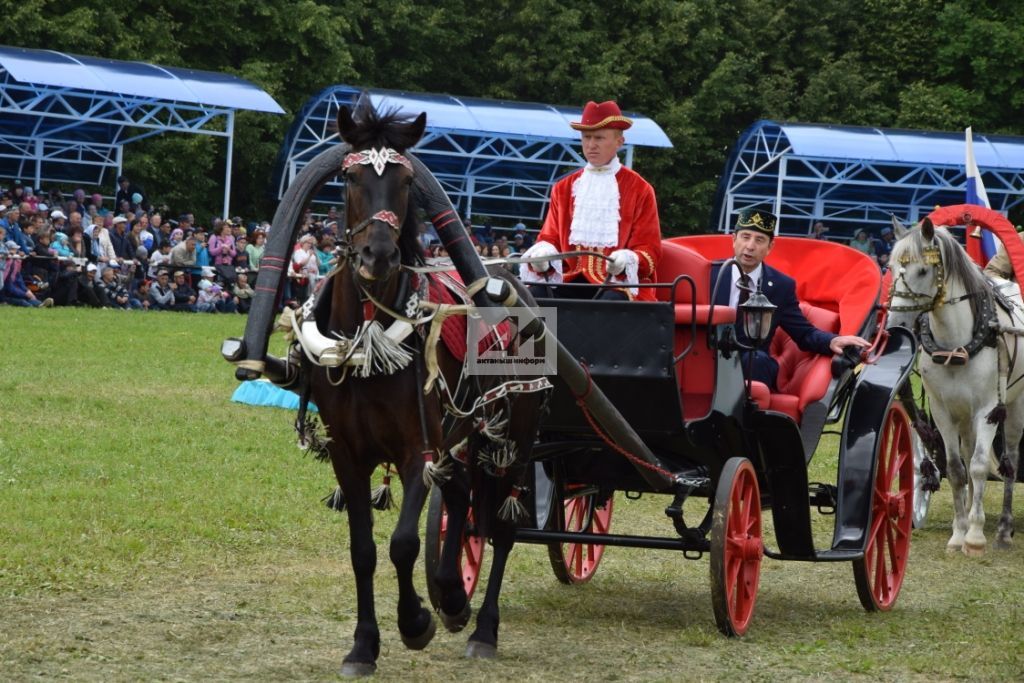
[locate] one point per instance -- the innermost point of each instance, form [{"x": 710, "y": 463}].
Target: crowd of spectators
[
  {"x": 489, "y": 242},
  {"x": 75, "y": 250},
  {"x": 878, "y": 247}
]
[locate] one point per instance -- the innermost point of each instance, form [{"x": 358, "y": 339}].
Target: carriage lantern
[{"x": 756, "y": 317}]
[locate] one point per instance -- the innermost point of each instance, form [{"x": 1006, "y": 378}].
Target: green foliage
[{"x": 703, "y": 70}]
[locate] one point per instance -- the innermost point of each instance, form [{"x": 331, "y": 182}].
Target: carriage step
[{"x": 823, "y": 497}]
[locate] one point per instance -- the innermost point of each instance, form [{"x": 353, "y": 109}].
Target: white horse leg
[
  {"x": 957, "y": 475},
  {"x": 984, "y": 433},
  {"x": 1012, "y": 428}
]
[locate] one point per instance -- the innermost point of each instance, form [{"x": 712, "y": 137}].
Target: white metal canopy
[
  {"x": 67, "y": 118},
  {"x": 852, "y": 177},
  {"x": 494, "y": 158}
]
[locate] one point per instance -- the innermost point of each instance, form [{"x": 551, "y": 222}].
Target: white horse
[{"x": 971, "y": 365}]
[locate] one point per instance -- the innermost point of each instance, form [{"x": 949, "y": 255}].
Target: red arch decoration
[{"x": 993, "y": 221}]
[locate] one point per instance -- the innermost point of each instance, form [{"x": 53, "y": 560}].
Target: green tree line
[{"x": 703, "y": 69}]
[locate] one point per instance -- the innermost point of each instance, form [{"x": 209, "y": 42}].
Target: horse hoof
[
  {"x": 971, "y": 550},
  {"x": 952, "y": 548},
  {"x": 456, "y": 622},
  {"x": 422, "y": 640},
  {"x": 358, "y": 669},
  {"x": 477, "y": 650},
  {"x": 1002, "y": 544}
]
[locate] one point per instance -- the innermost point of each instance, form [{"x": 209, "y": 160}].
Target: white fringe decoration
[
  {"x": 499, "y": 457},
  {"x": 512, "y": 510},
  {"x": 438, "y": 472},
  {"x": 381, "y": 498},
  {"x": 495, "y": 426},
  {"x": 381, "y": 353}
]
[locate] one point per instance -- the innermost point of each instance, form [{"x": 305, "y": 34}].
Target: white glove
[
  {"x": 619, "y": 260},
  {"x": 540, "y": 249}
]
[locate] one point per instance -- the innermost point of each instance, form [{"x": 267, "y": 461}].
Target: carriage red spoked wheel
[
  {"x": 471, "y": 555},
  {"x": 736, "y": 547},
  {"x": 879, "y": 575},
  {"x": 575, "y": 563}
]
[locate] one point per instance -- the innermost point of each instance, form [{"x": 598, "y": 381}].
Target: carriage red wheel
[
  {"x": 471, "y": 555},
  {"x": 576, "y": 562},
  {"x": 879, "y": 575},
  {"x": 736, "y": 547}
]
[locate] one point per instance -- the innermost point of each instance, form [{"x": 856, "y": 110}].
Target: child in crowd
[
  {"x": 241, "y": 261},
  {"x": 161, "y": 258},
  {"x": 325, "y": 254},
  {"x": 207, "y": 300},
  {"x": 255, "y": 250},
  {"x": 243, "y": 293}
]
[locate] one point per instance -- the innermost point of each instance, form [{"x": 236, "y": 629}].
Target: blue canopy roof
[
  {"x": 47, "y": 67},
  {"x": 853, "y": 177},
  {"x": 493, "y": 157},
  {"x": 905, "y": 146},
  {"x": 503, "y": 117},
  {"x": 66, "y": 118}
]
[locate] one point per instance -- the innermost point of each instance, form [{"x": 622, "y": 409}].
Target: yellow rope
[{"x": 441, "y": 312}]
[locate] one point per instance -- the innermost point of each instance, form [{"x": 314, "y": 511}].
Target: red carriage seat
[
  {"x": 803, "y": 376},
  {"x": 696, "y": 372},
  {"x": 837, "y": 287}
]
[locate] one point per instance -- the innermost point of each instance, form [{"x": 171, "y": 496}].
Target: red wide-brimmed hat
[{"x": 605, "y": 115}]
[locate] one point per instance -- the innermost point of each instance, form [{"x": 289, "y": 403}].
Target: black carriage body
[{"x": 627, "y": 350}]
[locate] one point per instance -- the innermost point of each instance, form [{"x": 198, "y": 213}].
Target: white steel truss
[
  {"x": 494, "y": 175},
  {"x": 846, "y": 193},
  {"x": 52, "y": 134}
]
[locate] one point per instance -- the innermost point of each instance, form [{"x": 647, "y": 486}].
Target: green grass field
[{"x": 150, "y": 529}]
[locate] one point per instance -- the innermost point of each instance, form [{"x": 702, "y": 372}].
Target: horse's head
[
  {"x": 378, "y": 180},
  {"x": 917, "y": 277},
  {"x": 930, "y": 270}
]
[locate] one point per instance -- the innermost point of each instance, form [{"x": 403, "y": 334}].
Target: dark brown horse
[{"x": 380, "y": 414}]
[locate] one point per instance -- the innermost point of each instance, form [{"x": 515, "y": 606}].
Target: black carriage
[{"x": 671, "y": 369}]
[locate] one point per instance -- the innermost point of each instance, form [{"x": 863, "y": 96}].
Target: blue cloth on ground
[{"x": 262, "y": 392}]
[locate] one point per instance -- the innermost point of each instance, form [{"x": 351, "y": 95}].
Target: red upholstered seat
[
  {"x": 804, "y": 376},
  {"x": 696, "y": 372},
  {"x": 837, "y": 304},
  {"x": 679, "y": 260}
]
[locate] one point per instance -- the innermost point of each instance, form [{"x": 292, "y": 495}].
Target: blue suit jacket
[{"x": 781, "y": 291}]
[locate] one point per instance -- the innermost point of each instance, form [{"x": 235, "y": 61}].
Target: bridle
[
  {"x": 378, "y": 158},
  {"x": 982, "y": 334},
  {"x": 926, "y": 303}
]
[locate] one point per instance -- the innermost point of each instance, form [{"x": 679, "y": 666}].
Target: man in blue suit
[{"x": 752, "y": 241}]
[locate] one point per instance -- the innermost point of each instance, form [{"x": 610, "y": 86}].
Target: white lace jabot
[{"x": 595, "y": 217}]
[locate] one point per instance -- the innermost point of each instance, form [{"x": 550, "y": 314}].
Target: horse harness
[
  {"x": 372, "y": 349},
  {"x": 985, "y": 328}
]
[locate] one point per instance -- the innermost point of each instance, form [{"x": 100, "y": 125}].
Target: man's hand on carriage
[
  {"x": 540, "y": 249},
  {"x": 620, "y": 260},
  {"x": 841, "y": 342}
]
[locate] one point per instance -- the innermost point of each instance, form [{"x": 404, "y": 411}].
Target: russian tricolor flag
[{"x": 976, "y": 195}]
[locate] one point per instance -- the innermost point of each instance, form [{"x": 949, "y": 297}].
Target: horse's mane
[{"x": 387, "y": 127}]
